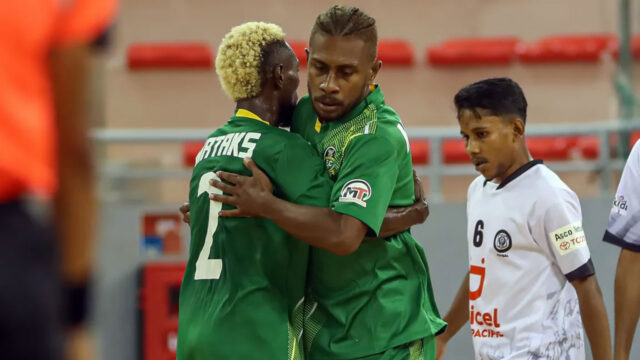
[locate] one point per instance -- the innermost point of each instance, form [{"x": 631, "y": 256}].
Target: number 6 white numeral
[{"x": 207, "y": 269}]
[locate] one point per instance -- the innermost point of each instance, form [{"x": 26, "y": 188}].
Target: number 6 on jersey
[{"x": 207, "y": 269}]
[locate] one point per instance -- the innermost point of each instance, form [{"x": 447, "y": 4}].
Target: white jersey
[
  {"x": 624, "y": 220},
  {"x": 525, "y": 244}
]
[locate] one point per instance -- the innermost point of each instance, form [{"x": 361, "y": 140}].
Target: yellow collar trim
[
  {"x": 250, "y": 115},
  {"x": 318, "y": 125}
]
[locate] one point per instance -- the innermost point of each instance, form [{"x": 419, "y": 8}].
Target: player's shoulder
[
  {"x": 548, "y": 187},
  {"x": 387, "y": 126},
  {"x": 634, "y": 156},
  {"x": 475, "y": 185}
]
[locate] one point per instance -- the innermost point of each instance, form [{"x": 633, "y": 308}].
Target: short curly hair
[{"x": 240, "y": 57}]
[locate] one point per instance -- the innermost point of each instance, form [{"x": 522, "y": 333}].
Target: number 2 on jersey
[{"x": 207, "y": 269}]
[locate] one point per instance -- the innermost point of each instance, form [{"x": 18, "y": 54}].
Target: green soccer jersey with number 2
[
  {"x": 380, "y": 296},
  {"x": 242, "y": 292}
]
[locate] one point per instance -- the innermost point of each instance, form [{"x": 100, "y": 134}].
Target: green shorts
[{"x": 423, "y": 349}]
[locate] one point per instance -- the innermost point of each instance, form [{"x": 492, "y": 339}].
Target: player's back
[{"x": 242, "y": 292}]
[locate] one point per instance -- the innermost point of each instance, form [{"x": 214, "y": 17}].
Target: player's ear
[
  {"x": 374, "y": 71},
  {"x": 306, "y": 51},
  {"x": 518, "y": 126},
  {"x": 278, "y": 76}
]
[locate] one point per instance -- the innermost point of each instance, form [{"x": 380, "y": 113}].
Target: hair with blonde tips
[{"x": 241, "y": 55}]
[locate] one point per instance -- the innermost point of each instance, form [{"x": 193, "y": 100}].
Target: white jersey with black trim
[
  {"x": 624, "y": 221},
  {"x": 525, "y": 244}
]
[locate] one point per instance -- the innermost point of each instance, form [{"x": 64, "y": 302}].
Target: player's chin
[{"x": 487, "y": 171}]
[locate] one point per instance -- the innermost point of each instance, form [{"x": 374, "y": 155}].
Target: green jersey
[
  {"x": 242, "y": 292},
  {"x": 380, "y": 296}
]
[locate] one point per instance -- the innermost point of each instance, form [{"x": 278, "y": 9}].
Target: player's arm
[
  {"x": 75, "y": 202},
  {"x": 317, "y": 226},
  {"x": 594, "y": 316},
  {"x": 396, "y": 219},
  {"x": 565, "y": 242},
  {"x": 399, "y": 219},
  {"x": 624, "y": 230},
  {"x": 456, "y": 317},
  {"x": 627, "y": 302}
]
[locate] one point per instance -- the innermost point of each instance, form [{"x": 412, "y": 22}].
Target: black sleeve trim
[
  {"x": 612, "y": 239},
  {"x": 582, "y": 272}
]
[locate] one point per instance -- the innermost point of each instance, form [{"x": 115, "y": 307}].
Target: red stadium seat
[
  {"x": 635, "y": 47},
  {"x": 551, "y": 148},
  {"x": 564, "y": 48},
  {"x": 395, "y": 52},
  {"x": 453, "y": 152},
  {"x": 589, "y": 147},
  {"x": 189, "y": 152},
  {"x": 298, "y": 47},
  {"x": 473, "y": 51},
  {"x": 391, "y": 52},
  {"x": 420, "y": 152},
  {"x": 635, "y": 136},
  {"x": 169, "y": 56}
]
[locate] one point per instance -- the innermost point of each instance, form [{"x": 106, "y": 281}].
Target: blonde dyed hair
[{"x": 240, "y": 57}]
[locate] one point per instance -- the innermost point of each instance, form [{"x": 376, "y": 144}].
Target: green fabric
[
  {"x": 380, "y": 296},
  {"x": 254, "y": 309},
  {"x": 422, "y": 349}
]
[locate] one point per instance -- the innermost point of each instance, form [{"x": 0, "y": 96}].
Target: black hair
[
  {"x": 498, "y": 96},
  {"x": 348, "y": 21}
]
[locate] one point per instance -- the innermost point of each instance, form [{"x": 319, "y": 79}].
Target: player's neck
[
  {"x": 522, "y": 158},
  {"x": 264, "y": 109}
]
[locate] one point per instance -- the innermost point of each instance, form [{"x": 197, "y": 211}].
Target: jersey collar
[
  {"x": 521, "y": 170},
  {"x": 244, "y": 113},
  {"x": 375, "y": 97}
]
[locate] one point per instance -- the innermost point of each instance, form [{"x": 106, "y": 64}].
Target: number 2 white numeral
[{"x": 207, "y": 269}]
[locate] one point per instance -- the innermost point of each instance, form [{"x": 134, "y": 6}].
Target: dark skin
[
  {"x": 396, "y": 220},
  {"x": 278, "y": 96},
  {"x": 74, "y": 202},
  {"x": 341, "y": 70},
  {"x": 627, "y": 302},
  {"x": 497, "y": 149}
]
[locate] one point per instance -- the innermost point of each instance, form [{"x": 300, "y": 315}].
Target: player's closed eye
[
  {"x": 346, "y": 73},
  {"x": 318, "y": 67}
]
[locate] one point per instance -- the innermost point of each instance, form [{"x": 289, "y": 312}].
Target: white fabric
[
  {"x": 521, "y": 304},
  {"x": 624, "y": 220}
]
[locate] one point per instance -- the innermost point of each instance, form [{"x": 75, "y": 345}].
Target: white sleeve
[
  {"x": 624, "y": 220},
  {"x": 559, "y": 233}
]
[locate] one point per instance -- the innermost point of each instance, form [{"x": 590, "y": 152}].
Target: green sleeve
[
  {"x": 366, "y": 180},
  {"x": 299, "y": 174}
]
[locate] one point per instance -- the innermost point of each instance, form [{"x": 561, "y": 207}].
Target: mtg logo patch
[
  {"x": 356, "y": 191},
  {"x": 502, "y": 242},
  {"x": 330, "y": 162}
]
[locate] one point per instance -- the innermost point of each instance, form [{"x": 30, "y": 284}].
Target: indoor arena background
[{"x": 156, "y": 96}]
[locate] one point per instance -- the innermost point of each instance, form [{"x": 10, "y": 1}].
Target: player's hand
[
  {"x": 417, "y": 186},
  {"x": 441, "y": 347},
  {"x": 248, "y": 194},
  {"x": 185, "y": 210},
  {"x": 80, "y": 345}
]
